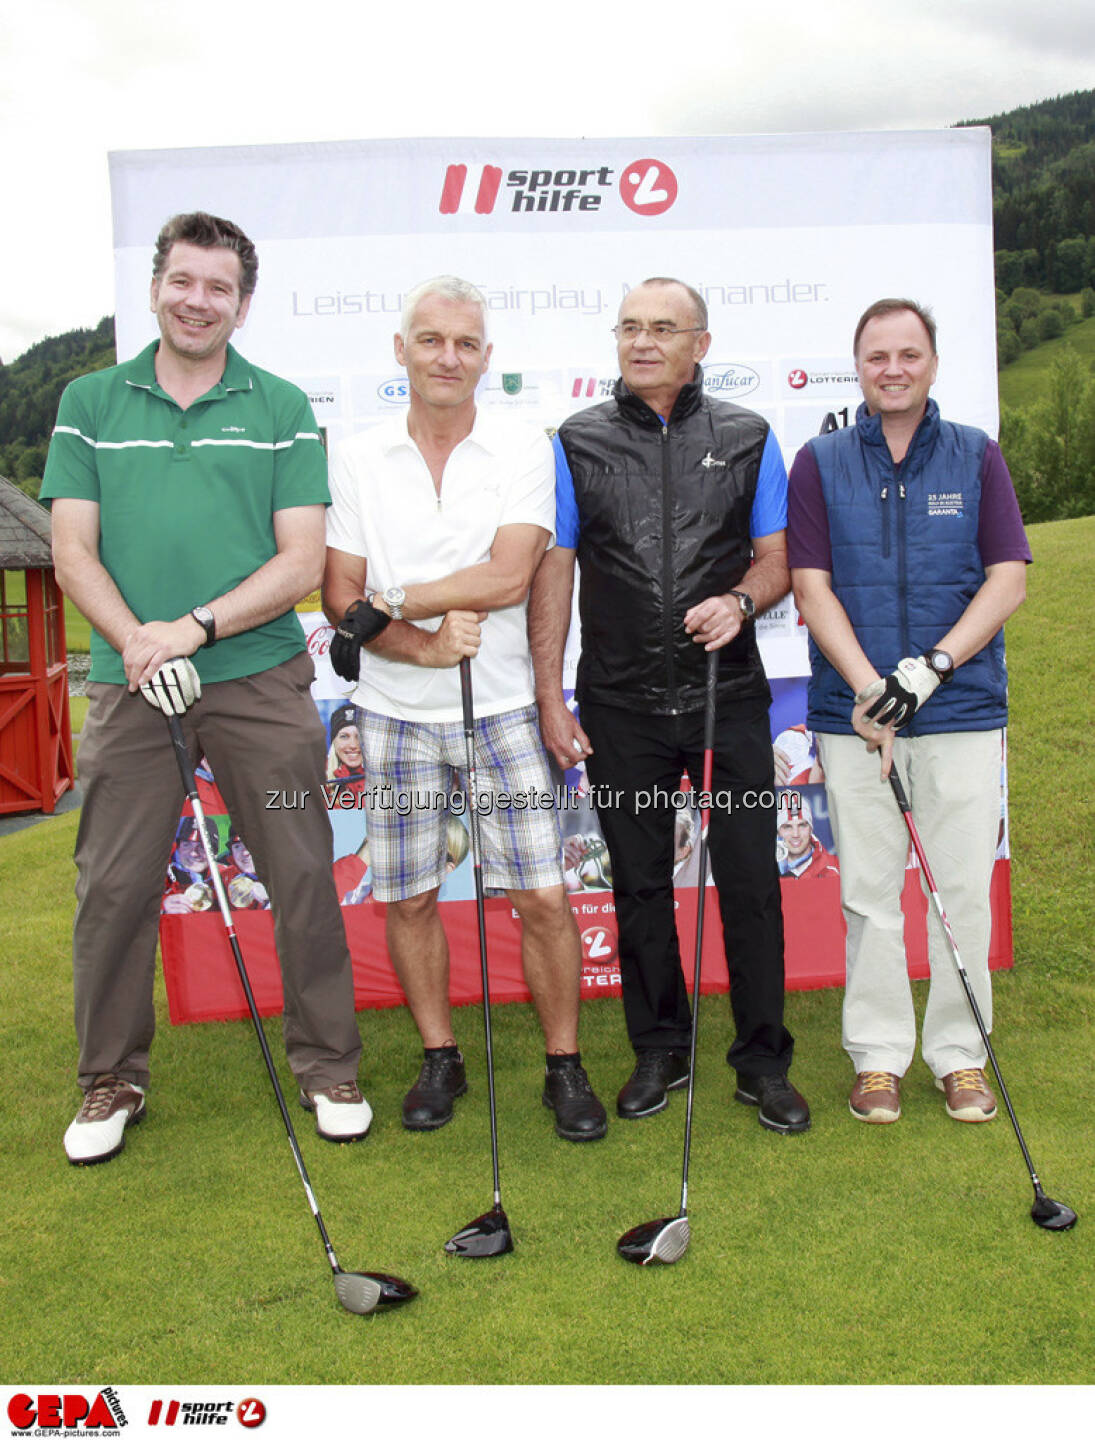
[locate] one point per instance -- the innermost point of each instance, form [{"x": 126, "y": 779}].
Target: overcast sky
[{"x": 82, "y": 77}]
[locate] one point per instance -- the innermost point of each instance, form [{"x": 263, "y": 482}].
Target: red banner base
[{"x": 202, "y": 983}]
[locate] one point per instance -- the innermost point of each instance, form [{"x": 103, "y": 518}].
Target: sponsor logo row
[
  {"x": 730, "y": 381},
  {"x": 69, "y": 1413}
]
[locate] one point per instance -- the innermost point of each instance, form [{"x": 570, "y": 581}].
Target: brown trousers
[{"x": 259, "y": 733}]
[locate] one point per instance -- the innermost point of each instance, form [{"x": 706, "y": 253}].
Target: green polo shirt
[{"x": 187, "y": 497}]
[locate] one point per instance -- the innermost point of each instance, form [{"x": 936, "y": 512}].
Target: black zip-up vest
[{"x": 664, "y": 513}]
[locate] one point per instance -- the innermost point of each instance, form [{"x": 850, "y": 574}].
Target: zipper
[{"x": 667, "y": 576}]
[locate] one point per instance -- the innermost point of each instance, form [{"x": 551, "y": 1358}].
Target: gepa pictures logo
[
  {"x": 67, "y": 1414},
  {"x": 646, "y": 187}
]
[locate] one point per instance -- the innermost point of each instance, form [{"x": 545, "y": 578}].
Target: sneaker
[
  {"x": 968, "y": 1096},
  {"x": 579, "y": 1115},
  {"x": 343, "y": 1115},
  {"x": 427, "y": 1105},
  {"x": 655, "y": 1073},
  {"x": 98, "y": 1132},
  {"x": 780, "y": 1106},
  {"x": 875, "y": 1097}
]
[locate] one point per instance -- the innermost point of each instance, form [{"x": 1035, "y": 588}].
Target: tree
[
  {"x": 1087, "y": 302},
  {"x": 1069, "y": 265},
  {"x": 1051, "y": 446},
  {"x": 1008, "y": 346},
  {"x": 1050, "y": 324}
]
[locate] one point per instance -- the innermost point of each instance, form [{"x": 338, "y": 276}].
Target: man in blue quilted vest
[{"x": 907, "y": 554}]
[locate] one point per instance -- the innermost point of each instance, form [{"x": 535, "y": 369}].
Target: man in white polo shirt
[{"x": 439, "y": 520}]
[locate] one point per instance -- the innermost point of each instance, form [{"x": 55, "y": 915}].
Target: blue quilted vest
[{"x": 906, "y": 564}]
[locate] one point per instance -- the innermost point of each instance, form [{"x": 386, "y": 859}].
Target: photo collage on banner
[{"x": 772, "y": 231}]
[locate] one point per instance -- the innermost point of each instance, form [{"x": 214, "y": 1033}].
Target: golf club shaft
[
  {"x": 705, "y": 816},
  {"x": 914, "y": 835},
  {"x": 480, "y": 909},
  {"x": 186, "y": 770}
]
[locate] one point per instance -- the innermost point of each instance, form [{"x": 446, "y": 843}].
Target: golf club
[
  {"x": 666, "y": 1240},
  {"x": 361, "y": 1293},
  {"x": 489, "y": 1233},
  {"x": 1049, "y": 1214}
]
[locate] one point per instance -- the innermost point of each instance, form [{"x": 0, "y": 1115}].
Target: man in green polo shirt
[{"x": 188, "y": 490}]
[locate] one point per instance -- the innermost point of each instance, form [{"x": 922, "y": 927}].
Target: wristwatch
[
  {"x": 747, "y": 603},
  {"x": 394, "y": 597},
  {"x": 942, "y": 664},
  {"x": 204, "y": 616}
]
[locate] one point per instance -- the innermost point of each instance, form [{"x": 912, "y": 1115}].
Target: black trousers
[{"x": 635, "y": 768}]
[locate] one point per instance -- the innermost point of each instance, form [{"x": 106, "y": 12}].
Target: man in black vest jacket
[{"x": 675, "y": 506}]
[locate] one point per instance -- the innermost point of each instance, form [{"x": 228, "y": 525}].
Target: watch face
[{"x": 942, "y": 663}]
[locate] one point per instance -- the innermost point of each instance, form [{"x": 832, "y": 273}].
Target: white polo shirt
[{"x": 385, "y": 508}]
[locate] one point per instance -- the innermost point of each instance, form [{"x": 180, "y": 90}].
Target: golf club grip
[
  {"x": 709, "y": 712},
  {"x": 899, "y": 791},
  {"x": 466, "y": 696},
  {"x": 182, "y": 755}
]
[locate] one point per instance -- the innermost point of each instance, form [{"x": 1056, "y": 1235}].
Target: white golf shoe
[
  {"x": 342, "y": 1112},
  {"x": 98, "y": 1132}
]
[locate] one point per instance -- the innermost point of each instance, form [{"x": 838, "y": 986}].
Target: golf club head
[
  {"x": 487, "y": 1234},
  {"x": 363, "y": 1293},
  {"x": 1051, "y": 1214},
  {"x": 662, "y": 1240}
]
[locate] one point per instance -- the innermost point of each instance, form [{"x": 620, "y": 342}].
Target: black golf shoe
[
  {"x": 427, "y": 1105},
  {"x": 579, "y": 1115},
  {"x": 781, "y": 1107},
  {"x": 655, "y": 1073}
]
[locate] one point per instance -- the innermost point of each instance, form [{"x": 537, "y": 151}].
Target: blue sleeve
[
  {"x": 567, "y": 523},
  {"x": 769, "y": 512}
]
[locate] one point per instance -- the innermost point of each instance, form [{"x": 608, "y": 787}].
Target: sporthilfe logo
[{"x": 646, "y": 187}]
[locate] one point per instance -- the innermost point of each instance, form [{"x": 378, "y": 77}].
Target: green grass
[
  {"x": 77, "y": 630},
  {"x": 1027, "y": 379},
  {"x": 852, "y": 1255}
]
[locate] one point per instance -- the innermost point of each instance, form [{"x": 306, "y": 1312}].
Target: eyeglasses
[{"x": 631, "y": 330}]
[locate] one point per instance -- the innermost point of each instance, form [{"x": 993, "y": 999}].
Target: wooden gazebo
[{"x": 36, "y": 765}]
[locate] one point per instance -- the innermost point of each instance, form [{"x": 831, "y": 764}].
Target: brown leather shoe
[
  {"x": 968, "y": 1096},
  {"x": 875, "y": 1097}
]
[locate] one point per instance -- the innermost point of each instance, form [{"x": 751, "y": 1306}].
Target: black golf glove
[
  {"x": 901, "y": 694},
  {"x": 358, "y": 626}
]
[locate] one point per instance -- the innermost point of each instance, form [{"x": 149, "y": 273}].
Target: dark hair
[
  {"x": 342, "y": 718},
  {"x": 890, "y": 307},
  {"x": 198, "y": 228},
  {"x": 699, "y": 304}
]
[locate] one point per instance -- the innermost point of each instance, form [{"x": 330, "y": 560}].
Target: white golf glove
[
  {"x": 174, "y": 687},
  {"x": 901, "y": 694}
]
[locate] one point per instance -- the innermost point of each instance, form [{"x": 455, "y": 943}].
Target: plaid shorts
[{"x": 413, "y": 769}]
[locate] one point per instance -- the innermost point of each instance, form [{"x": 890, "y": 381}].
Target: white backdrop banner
[{"x": 788, "y": 237}]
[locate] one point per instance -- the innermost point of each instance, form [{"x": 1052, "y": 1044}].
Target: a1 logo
[{"x": 648, "y": 187}]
